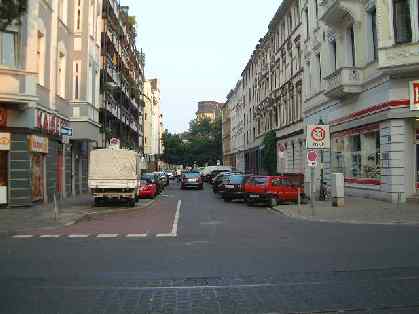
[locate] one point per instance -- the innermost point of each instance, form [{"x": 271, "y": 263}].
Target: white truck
[{"x": 114, "y": 174}]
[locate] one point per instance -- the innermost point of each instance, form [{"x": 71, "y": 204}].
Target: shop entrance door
[
  {"x": 3, "y": 177},
  {"x": 37, "y": 177}
]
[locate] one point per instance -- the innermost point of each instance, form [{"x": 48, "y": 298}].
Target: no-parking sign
[
  {"x": 318, "y": 137},
  {"x": 312, "y": 158}
]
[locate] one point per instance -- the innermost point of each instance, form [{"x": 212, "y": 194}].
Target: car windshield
[
  {"x": 191, "y": 174},
  {"x": 235, "y": 179},
  {"x": 260, "y": 180}
]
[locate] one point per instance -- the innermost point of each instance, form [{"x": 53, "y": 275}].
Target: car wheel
[
  {"x": 131, "y": 202},
  {"x": 98, "y": 201},
  {"x": 227, "y": 200},
  {"x": 248, "y": 202}
]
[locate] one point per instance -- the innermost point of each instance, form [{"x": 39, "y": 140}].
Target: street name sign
[
  {"x": 66, "y": 131},
  {"x": 318, "y": 137}
]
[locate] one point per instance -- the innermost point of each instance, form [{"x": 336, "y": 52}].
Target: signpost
[
  {"x": 114, "y": 143},
  {"x": 318, "y": 138},
  {"x": 66, "y": 131}
]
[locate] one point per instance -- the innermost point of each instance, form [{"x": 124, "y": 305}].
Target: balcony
[
  {"x": 17, "y": 86},
  {"x": 400, "y": 59},
  {"x": 333, "y": 12},
  {"x": 344, "y": 82}
]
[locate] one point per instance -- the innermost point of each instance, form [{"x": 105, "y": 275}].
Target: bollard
[
  {"x": 299, "y": 197},
  {"x": 55, "y": 207}
]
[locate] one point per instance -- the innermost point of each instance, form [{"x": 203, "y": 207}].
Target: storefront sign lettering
[
  {"x": 38, "y": 144},
  {"x": 414, "y": 95},
  {"x": 4, "y": 141},
  {"x": 48, "y": 122}
]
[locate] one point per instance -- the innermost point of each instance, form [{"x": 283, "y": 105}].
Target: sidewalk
[
  {"x": 42, "y": 216},
  {"x": 356, "y": 210}
]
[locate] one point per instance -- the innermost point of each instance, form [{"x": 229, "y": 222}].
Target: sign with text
[
  {"x": 49, "y": 122},
  {"x": 38, "y": 144},
  {"x": 114, "y": 143},
  {"x": 4, "y": 141},
  {"x": 414, "y": 95},
  {"x": 318, "y": 137},
  {"x": 66, "y": 131},
  {"x": 312, "y": 158}
]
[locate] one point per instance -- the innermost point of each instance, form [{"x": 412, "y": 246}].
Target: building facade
[
  {"x": 359, "y": 58},
  {"x": 50, "y": 98},
  {"x": 228, "y": 159},
  {"x": 122, "y": 79},
  {"x": 268, "y": 98},
  {"x": 40, "y": 97},
  {"x": 209, "y": 110}
]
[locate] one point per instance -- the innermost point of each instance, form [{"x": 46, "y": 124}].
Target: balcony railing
[{"x": 345, "y": 81}]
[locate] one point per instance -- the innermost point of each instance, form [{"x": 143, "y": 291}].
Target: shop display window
[{"x": 357, "y": 155}]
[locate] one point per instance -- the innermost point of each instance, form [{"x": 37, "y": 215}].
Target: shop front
[
  {"x": 38, "y": 148},
  {"x": 4, "y": 157}
]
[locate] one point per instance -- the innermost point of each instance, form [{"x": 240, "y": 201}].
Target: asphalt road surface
[{"x": 190, "y": 252}]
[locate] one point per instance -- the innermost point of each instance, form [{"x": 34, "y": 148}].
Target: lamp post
[{"x": 322, "y": 191}]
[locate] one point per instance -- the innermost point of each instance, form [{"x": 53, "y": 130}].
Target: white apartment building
[{"x": 359, "y": 58}]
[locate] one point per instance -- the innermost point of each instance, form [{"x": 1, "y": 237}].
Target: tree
[
  {"x": 269, "y": 157},
  {"x": 11, "y": 10}
]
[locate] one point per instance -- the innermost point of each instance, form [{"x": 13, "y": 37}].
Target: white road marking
[
  {"x": 107, "y": 235},
  {"x": 78, "y": 235},
  {"x": 50, "y": 236},
  {"x": 172, "y": 234},
  {"x": 136, "y": 235},
  {"x": 23, "y": 236}
]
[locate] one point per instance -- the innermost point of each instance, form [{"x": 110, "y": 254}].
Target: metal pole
[
  {"x": 312, "y": 190},
  {"x": 299, "y": 197}
]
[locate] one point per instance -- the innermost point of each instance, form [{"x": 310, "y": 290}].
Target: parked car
[
  {"x": 218, "y": 181},
  {"x": 147, "y": 188},
  {"x": 162, "y": 178},
  {"x": 171, "y": 175},
  {"x": 271, "y": 190},
  {"x": 233, "y": 187},
  {"x": 206, "y": 172},
  {"x": 191, "y": 179},
  {"x": 154, "y": 178},
  {"x": 214, "y": 173}
]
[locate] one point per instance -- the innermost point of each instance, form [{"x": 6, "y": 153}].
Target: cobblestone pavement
[
  {"x": 226, "y": 258},
  {"x": 356, "y": 210},
  {"x": 367, "y": 291}
]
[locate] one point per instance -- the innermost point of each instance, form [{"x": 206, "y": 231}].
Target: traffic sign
[
  {"x": 318, "y": 137},
  {"x": 66, "y": 131},
  {"x": 312, "y": 158}
]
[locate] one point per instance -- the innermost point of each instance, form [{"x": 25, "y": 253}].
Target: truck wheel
[
  {"x": 98, "y": 201},
  {"x": 131, "y": 202},
  {"x": 249, "y": 202},
  {"x": 227, "y": 200}
]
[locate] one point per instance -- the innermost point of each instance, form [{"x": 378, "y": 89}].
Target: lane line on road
[
  {"x": 172, "y": 234},
  {"x": 50, "y": 236},
  {"x": 107, "y": 235},
  {"x": 136, "y": 235},
  {"x": 78, "y": 235},
  {"x": 23, "y": 236}
]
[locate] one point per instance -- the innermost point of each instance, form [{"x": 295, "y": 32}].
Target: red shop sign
[{"x": 49, "y": 122}]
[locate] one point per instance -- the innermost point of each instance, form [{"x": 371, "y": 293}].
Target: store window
[{"x": 356, "y": 154}]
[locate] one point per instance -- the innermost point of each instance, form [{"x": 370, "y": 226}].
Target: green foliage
[
  {"x": 201, "y": 144},
  {"x": 269, "y": 158},
  {"x": 10, "y": 11}
]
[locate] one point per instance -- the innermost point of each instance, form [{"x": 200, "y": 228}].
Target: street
[{"x": 189, "y": 252}]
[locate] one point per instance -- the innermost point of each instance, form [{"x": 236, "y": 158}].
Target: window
[
  {"x": 61, "y": 81},
  {"x": 357, "y": 155},
  {"x": 307, "y": 25},
  {"x": 333, "y": 55},
  {"x": 373, "y": 20},
  {"x": 352, "y": 45},
  {"x": 319, "y": 64},
  {"x": 40, "y": 58},
  {"x": 9, "y": 48},
  {"x": 401, "y": 21}
]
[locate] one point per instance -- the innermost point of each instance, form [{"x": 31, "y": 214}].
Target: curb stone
[{"x": 355, "y": 222}]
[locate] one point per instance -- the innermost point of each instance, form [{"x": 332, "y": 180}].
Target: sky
[{"x": 197, "y": 48}]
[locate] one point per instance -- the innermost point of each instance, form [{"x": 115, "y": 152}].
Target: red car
[
  {"x": 271, "y": 190},
  {"x": 147, "y": 189}
]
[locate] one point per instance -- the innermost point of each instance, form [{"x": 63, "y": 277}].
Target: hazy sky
[{"x": 197, "y": 48}]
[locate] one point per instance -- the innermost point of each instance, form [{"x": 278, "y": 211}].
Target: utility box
[{"x": 338, "y": 189}]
